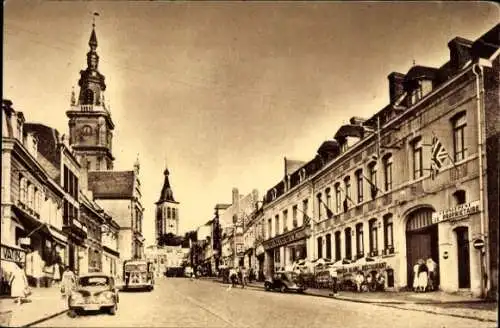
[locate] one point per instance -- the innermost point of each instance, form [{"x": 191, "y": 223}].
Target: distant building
[
  {"x": 167, "y": 210},
  {"x": 167, "y": 258}
]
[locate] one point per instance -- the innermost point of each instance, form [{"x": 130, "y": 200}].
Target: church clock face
[{"x": 86, "y": 132}]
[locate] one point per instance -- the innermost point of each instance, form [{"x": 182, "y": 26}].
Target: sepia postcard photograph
[{"x": 253, "y": 164}]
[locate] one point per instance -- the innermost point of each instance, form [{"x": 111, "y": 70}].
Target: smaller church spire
[{"x": 167, "y": 194}]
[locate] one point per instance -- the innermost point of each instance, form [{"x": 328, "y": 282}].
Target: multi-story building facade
[
  {"x": 58, "y": 159},
  {"x": 167, "y": 258},
  {"x": 412, "y": 185},
  {"x": 408, "y": 183},
  {"x": 93, "y": 218},
  {"x": 119, "y": 193},
  {"x": 286, "y": 218},
  {"x": 167, "y": 210},
  {"x": 32, "y": 198}
]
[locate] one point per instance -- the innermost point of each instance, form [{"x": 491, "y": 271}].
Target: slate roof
[
  {"x": 111, "y": 184},
  {"x": 48, "y": 139}
]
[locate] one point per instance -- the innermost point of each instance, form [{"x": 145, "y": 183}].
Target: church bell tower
[
  {"x": 90, "y": 124},
  {"x": 167, "y": 209}
]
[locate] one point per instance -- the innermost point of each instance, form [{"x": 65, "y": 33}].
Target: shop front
[
  {"x": 441, "y": 241},
  {"x": 44, "y": 244},
  {"x": 283, "y": 250},
  {"x": 12, "y": 260}
]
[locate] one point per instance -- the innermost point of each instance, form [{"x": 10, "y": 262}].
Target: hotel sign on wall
[
  {"x": 457, "y": 212},
  {"x": 287, "y": 238}
]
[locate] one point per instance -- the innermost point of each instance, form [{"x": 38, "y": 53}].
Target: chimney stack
[
  {"x": 395, "y": 86},
  {"x": 460, "y": 49}
]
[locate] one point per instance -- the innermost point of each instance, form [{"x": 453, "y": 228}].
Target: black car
[{"x": 285, "y": 281}]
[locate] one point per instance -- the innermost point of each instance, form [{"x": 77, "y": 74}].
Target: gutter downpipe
[{"x": 478, "y": 71}]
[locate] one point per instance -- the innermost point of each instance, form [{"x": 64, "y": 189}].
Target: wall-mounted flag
[{"x": 438, "y": 156}]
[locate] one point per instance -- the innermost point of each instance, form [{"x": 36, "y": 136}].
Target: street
[{"x": 178, "y": 302}]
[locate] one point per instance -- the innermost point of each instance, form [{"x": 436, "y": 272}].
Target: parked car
[
  {"x": 94, "y": 292},
  {"x": 285, "y": 281}
]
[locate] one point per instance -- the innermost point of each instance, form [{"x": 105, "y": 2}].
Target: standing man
[
  {"x": 334, "y": 277},
  {"x": 68, "y": 282}
]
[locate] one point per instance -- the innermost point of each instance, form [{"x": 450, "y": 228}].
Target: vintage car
[
  {"x": 94, "y": 292},
  {"x": 285, "y": 281}
]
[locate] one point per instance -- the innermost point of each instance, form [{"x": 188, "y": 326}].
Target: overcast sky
[{"x": 223, "y": 91}]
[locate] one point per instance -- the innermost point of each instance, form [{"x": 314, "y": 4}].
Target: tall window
[
  {"x": 388, "y": 172},
  {"x": 173, "y": 213},
  {"x": 318, "y": 196},
  {"x": 338, "y": 198},
  {"x": 359, "y": 240},
  {"x": 30, "y": 195},
  {"x": 277, "y": 225},
  {"x": 328, "y": 242},
  {"x": 338, "y": 254},
  {"x": 359, "y": 184},
  {"x": 459, "y": 148},
  {"x": 347, "y": 185},
  {"x": 372, "y": 167},
  {"x": 269, "y": 228},
  {"x": 417, "y": 158},
  {"x": 373, "y": 235},
  {"x": 320, "y": 247},
  {"x": 23, "y": 186},
  {"x": 388, "y": 232},
  {"x": 305, "y": 209},
  {"x": 328, "y": 198},
  {"x": 348, "y": 243},
  {"x": 168, "y": 213},
  {"x": 294, "y": 216},
  {"x": 285, "y": 220}
]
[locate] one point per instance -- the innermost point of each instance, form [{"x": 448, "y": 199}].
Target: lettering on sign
[
  {"x": 287, "y": 238},
  {"x": 12, "y": 254},
  {"x": 456, "y": 212},
  {"x": 364, "y": 267}
]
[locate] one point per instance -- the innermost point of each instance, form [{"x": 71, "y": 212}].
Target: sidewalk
[
  {"x": 44, "y": 304},
  {"x": 432, "y": 302}
]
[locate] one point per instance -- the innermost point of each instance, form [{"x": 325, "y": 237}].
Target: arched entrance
[{"x": 421, "y": 240}]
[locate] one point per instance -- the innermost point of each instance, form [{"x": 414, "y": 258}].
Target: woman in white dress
[
  {"x": 415, "y": 277},
  {"x": 18, "y": 285}
]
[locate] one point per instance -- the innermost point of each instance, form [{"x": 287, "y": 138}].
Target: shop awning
[
  {"x": 27, "y": 220},
  {"x": 57, "y": 236}
]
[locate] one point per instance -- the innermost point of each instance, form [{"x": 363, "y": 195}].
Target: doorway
[
  {"x": 421, "y": 241},
  {"x": 463, "y": 257}
]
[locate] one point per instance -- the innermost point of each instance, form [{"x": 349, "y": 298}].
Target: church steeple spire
[
  {"x": 91, "y": 81},
  {"x": 167, "y": 194}
]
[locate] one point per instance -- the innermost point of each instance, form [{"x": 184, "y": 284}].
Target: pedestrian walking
[
  {"x": 360, "y": 279},
  {"x": 68, "y": 282},
  {"x": 423, "y": 275},
  {"x": 432, "y": 266},
  {"x": 19, "y": 288},
  {"x": 334, "y": 277},
  {"x": 57, "y": 274},
  {"x": 415, "y": 277},
  {"x": 243, "y": 276}
]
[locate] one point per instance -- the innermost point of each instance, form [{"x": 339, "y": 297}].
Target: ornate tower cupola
[
  {"x": 90, "y": 124},
  {"x": 167, "y": 209},
  {"x": 92, "y": 85}
]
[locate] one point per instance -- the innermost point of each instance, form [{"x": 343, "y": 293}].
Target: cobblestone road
[{"x": 178, "y": 302}]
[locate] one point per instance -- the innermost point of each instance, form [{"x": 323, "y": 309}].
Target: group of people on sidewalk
[
  {"x": 424, "y": 275},
  {"x": 238, "y": 276},
  {"x": 20, "y": 289}
]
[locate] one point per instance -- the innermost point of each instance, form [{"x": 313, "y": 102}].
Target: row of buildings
[
  {"x": 62, "y": 202},
  {"x": 419, "y": 179}
]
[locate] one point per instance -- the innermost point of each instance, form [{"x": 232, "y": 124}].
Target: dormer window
[
  {"x": 302, "y": 175},
  {"x": 420, "y": 89},
  {"x": 274, "y": 193}
]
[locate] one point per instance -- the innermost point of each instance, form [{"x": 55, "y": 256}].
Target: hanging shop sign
[
  {"x": 12, "y": 254},
  {"x": 287, "y": 238},
  {"x": 239, "y": 249},
  {"x": 457, "y": 212},
  {"x": 259, "y": 250}
]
